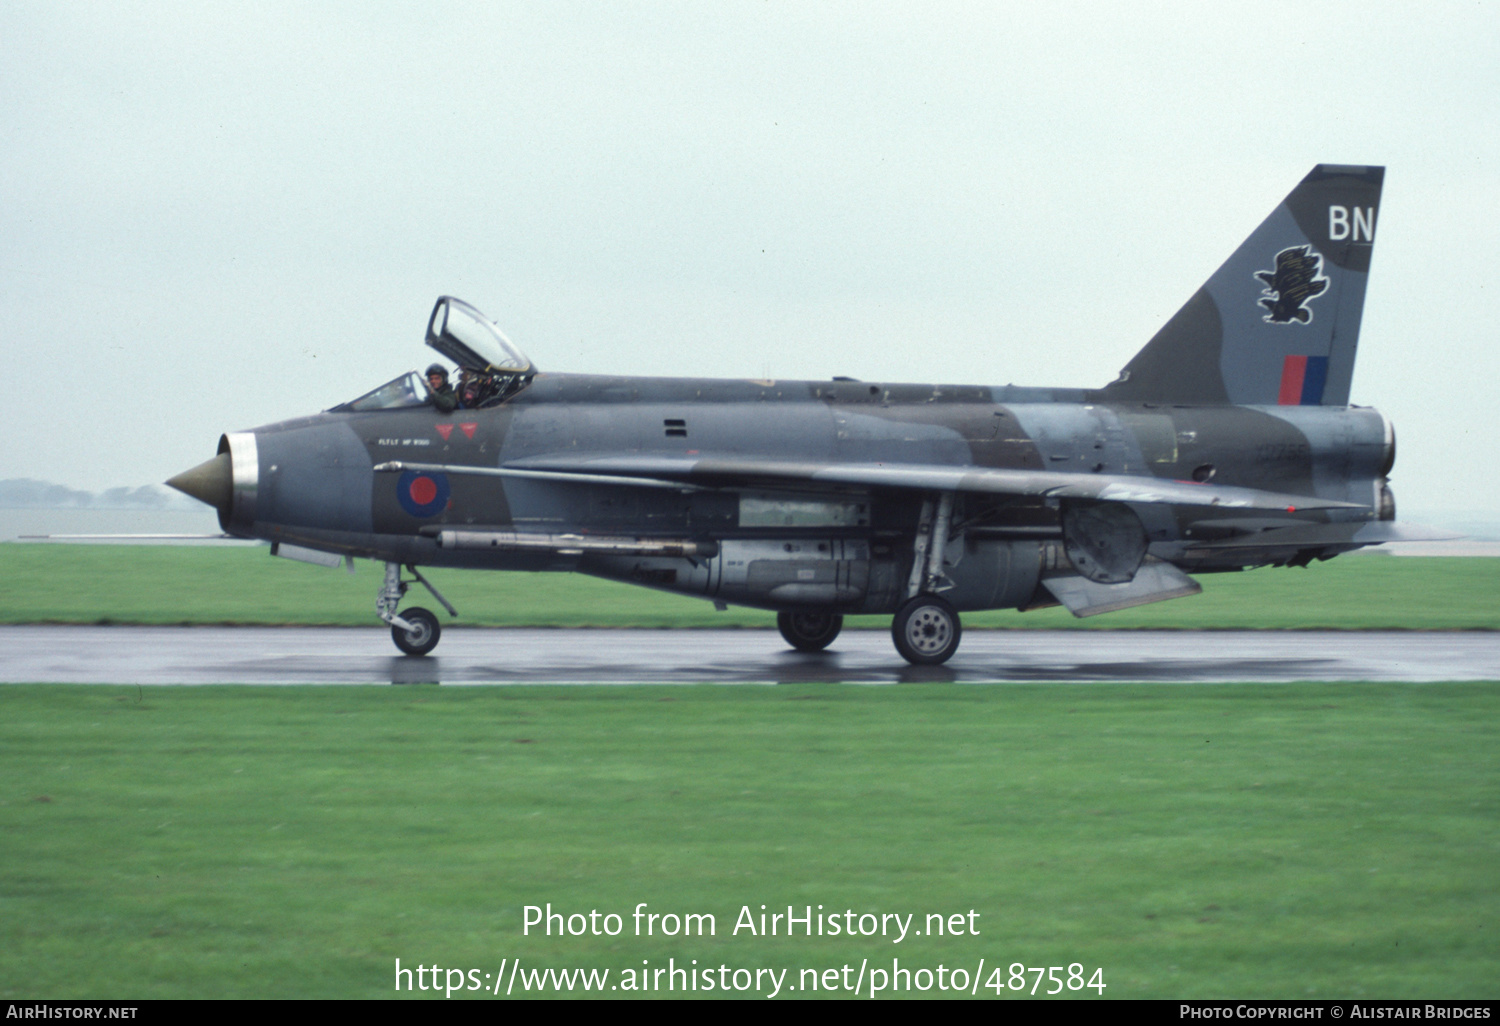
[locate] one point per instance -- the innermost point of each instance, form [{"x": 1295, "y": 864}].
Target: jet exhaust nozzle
[{"x": 211, "y": 482}]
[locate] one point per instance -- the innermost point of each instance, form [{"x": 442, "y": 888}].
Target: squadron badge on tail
[{"x": 1297, "y": 280}]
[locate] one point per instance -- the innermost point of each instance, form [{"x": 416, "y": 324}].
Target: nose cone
[{"x": 211, "y": 481}]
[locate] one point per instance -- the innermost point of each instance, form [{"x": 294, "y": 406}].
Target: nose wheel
[
  {"x": 421, "y": 636},
  {"x": 416, "y": 631}
]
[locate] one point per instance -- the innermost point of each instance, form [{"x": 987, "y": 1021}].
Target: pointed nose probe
[
  {"x": 229, "y": 482},
  {"x": 211, "y": 481}
]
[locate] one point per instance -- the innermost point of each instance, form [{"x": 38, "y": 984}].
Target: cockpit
[{"x": 491, "y": 368}]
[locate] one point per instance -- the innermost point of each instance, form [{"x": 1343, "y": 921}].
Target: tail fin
[{"x": 1279, "y": 322}]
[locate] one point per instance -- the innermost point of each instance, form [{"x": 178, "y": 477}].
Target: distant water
[
  {"x": 17, "y": 522},
  {"x": 1460, "y": 547}
]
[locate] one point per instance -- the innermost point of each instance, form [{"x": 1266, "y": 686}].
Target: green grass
[
  {"x": 1193, "y": 841},
  {"x": 166, "y": 584}
]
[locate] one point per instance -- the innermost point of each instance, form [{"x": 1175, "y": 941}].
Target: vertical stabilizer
[{"x": 1278, "y": 323}]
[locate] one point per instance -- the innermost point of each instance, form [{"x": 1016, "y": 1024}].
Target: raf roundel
[{"x": 423, "y": 494}]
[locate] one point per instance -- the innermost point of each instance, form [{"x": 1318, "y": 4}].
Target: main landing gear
[
  {"x": 809, "y": 631},
  {"x": 416, "y": 631},
  {"x": 926, "y": 628}
]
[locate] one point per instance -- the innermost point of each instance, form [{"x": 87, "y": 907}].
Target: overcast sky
[{"x": 217, "y": 216}]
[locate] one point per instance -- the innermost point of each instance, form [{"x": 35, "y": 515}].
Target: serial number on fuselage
[{"x": 1281, "y": 451}]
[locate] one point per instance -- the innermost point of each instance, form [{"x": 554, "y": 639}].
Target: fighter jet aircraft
[{"x": 1227, "y": 442}]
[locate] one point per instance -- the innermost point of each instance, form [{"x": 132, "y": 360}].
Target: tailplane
[{"x": 1278, "y": 323}]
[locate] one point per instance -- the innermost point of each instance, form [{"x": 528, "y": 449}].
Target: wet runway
[{"x": 266, "y": 655}]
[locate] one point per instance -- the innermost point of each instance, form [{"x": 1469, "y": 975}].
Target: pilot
[
  {"x": 475, "y": 388},
  {"x": 439, "y": 392}
]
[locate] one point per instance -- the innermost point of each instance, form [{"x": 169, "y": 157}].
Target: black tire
[
  {"x": 926, "y": 630},
  {"x": 423, "y": 637},
  {"x": 809, "y": 631}
]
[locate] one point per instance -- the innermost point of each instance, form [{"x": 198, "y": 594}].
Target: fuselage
[{"x": 311, "y": 481}]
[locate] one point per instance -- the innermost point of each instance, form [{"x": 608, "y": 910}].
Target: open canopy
[{"x": 470, "y": 339}]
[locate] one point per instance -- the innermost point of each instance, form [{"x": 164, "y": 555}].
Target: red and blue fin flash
[{"x": 1302, "y": 380}]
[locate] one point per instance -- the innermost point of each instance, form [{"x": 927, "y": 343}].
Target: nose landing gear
[{"x": 416, "y": 631}]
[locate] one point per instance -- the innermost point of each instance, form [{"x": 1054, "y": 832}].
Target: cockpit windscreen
[{"x": 407, "y": 390}]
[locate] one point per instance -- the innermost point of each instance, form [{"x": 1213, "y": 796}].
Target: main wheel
[
  {"x": 424, "y": 635},
  {"x": 926, "y": 630},
  {"x": 810, "y": 631}
]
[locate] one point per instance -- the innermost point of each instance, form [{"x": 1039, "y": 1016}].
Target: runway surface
[{"x": 292, "y": 655}]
